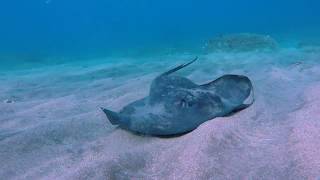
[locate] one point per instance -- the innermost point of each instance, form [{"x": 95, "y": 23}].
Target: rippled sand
[{"x": 51, "y": 126}]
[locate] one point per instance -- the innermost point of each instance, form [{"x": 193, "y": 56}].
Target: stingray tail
[
  {"x": 112, "y": 116},
  {"x": 179, "y": 67}
]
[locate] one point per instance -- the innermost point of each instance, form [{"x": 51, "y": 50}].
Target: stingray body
[{"x": 176, "y": 105}]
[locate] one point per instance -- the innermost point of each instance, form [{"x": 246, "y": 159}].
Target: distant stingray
[{"x": 176, "y": 105}]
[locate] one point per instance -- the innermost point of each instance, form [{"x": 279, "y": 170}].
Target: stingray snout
[{"x": 113, "y": 117}]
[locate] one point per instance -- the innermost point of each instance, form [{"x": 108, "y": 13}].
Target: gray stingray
[{"x": 176, "y": 105}]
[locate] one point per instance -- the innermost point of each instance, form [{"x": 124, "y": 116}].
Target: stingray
[{"x": 176, "y": 105}]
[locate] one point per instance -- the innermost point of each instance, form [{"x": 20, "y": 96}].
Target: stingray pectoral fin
[
  {"x": 113, "y": 117},
  {"x": 235, "y": 89},
  {"x": 238, "y": 109}
]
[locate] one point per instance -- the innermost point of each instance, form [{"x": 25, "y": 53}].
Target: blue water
[
  {"x": 60, "y": 61},
  {"x": 100, "y": 28}
]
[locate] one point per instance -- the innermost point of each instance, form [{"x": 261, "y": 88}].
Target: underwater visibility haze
[{"x": 60, "y": 61}]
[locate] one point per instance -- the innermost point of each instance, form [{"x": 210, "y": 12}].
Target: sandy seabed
[{"x": 51, "y": 126}]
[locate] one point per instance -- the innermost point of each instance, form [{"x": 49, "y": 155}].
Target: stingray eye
[{"x": 183, "y": 103}]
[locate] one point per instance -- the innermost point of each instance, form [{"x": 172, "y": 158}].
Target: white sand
[{"x": 54, "y": 129}]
